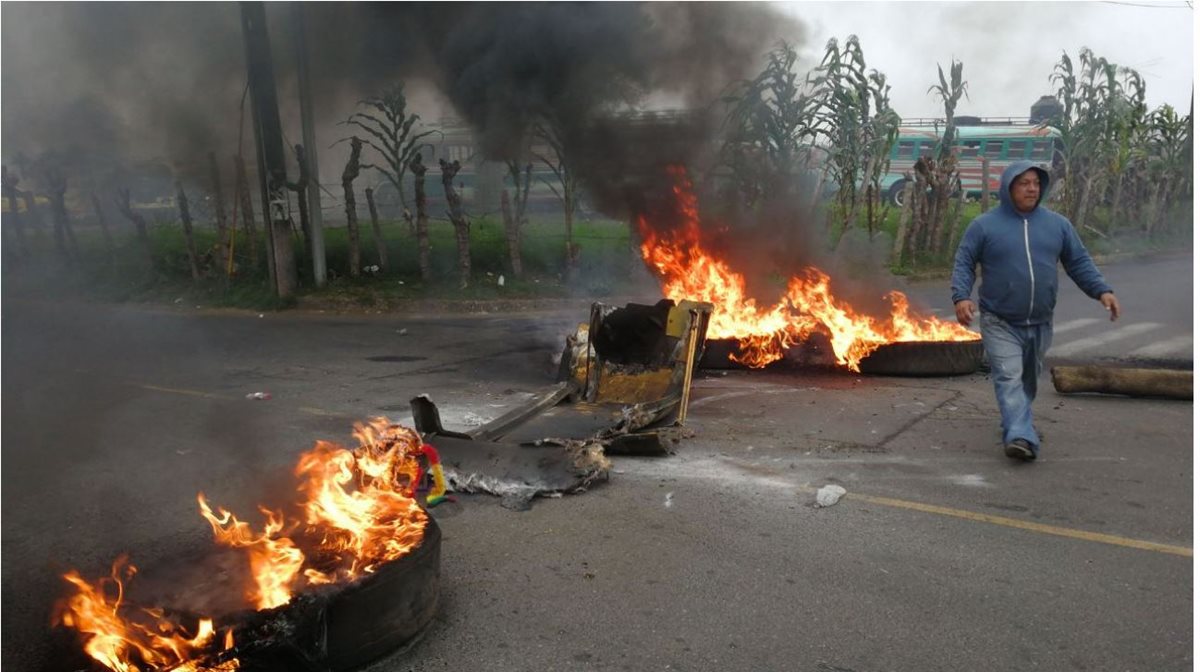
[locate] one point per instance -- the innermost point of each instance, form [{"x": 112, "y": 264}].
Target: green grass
[{"x": 606, "y": 263}]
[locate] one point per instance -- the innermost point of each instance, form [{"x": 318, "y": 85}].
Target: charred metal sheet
[
  {"x": 518, "y": 473},
  {"x": 541, "y": 402},
  {"x": 621, "y": 374}
]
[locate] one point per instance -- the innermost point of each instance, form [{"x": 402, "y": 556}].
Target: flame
[
  {"x": 688, "y": 271},
  {"x": 379, "y": 520},
  {"x": 123, "y": 639},
  {"x": 274, "y": 560},
  {"x": 357, "y": 511}
]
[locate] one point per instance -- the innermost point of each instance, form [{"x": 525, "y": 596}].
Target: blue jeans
[{"x": 1015, "y": 354}]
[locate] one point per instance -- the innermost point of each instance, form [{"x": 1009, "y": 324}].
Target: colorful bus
[{"x": 1000, "y": 144}]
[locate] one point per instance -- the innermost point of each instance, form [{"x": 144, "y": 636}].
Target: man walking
[{"x": 1018, "y": 244}]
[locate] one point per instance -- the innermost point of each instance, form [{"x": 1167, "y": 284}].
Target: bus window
[
  {"x": 993, "y": 149},
  {"x": 969, "y": 149},
  {"x": 1041, "y": 150},
  {"x": 925, "y": 148},
  {"x": 904, "y": 150},
  {"x": 1016, "y": 149}
]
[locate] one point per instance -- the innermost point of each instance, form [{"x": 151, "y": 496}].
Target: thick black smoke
[{"x": 164, "y": 81}]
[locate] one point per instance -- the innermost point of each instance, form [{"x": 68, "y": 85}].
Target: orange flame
[
  {"x": 274, "y": 560},
  {"x": 358, "y": 511},
  {"x": 688, "y": 271},
  {"x": 124, "y": 641}
]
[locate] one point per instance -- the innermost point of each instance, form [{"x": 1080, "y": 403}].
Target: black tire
[
  {"x": 925, "y": 359},
  {"x": 386, "y": 611},
  {"x": 895, "y": 194}
]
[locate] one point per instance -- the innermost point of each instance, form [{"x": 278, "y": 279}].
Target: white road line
[
  {"x": 1074, "y": 324},
  {"x": 1177, "y": 345},
  {"x": 1082, "y": 344}
]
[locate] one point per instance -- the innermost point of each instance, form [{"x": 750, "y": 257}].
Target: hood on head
[{"x": 1011, "y": 173}]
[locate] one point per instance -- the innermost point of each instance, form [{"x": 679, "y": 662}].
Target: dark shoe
[{"x": 1020, "y": 449}]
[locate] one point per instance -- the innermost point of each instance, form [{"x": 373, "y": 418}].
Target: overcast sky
[{"x": 1008, "y": 49}]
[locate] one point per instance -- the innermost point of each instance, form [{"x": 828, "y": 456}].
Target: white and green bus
[{"x": 1000, "y": 144}]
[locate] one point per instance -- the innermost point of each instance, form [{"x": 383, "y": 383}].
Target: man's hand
[
  {"x": 1110, "y": 303},
  {"x": 965, "y": 310}
]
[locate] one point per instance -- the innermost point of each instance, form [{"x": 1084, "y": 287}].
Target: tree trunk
[
  {"x": 903, "y": 229},
  {"x": 514, "y": 221},
  {"x": 186, "y": 218},
  {"x": 243, "y": 189},
  {"x": 219, "y": 205},
  {"x": 462, "y": 228},
  {"x": 9, "y": 183},
  {"x": 348, "y": 177},
  {"x": 955, "y": 223},
  {"x": 380, "y": 246},
  {"x": 418, "y": 170},
  {"x": 35, "y": 217},
  {"x": 139, "y": 223},
  {"x": 64, "y": 236},
  {"x": 300, "y": 186},
  {"x": 1127, "y": 381},
  {"x": 1081, "y": 207},
  {"x": 1152, "y": 205},
  {"x": 1115, "y": 211},
  {"x": 103, "y": 222},
  {"x": 512, "y": 234},
  {"x": 941, "y": 200}
]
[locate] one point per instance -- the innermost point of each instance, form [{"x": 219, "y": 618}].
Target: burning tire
[
  {"x": 386, "y": 611},
  {"x": 925, "y": 358}
]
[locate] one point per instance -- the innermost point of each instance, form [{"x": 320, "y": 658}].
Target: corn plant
[
  {"x": 770, "y": 130},
  {"x": 389, "y": 131}
]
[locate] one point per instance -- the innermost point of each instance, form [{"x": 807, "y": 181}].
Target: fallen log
[{"x": 1169, "y": 383}]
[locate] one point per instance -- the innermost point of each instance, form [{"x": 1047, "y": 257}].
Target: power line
[{"x": 1150, "y": 6}]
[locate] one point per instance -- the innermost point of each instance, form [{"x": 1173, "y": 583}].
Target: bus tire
[{"x": 895, "y": 193}]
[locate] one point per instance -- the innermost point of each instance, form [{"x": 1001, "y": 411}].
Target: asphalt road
[
  {"x": 944, "y": 555},
  {"x": 1156, "y": 321}
]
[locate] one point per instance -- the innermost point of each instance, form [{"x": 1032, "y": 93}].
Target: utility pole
[
  {"x": 317, "y": 231},
  {"x": 269, "y": 139}
]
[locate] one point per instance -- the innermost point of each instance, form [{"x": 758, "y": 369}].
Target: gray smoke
[{"x": 164, "y": 81}]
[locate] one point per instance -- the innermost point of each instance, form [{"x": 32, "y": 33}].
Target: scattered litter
[
  {"x": 500, "y": 281},
  {"x": 260, "y": 315},
  {"x": 668, "y": 500},
  {"x": 372, "y": 269},
  {"x": 179, "y": 300},
  {"x": 402, "y": 332},
  {"x": 399, "y": 282},
  {"x": 259, "y": 395},
  {"x": 474, "y": 419},
  {"x": 829, "y": 495},
  {"x": 183, "y": 452},
  {"x": 952, "y": 408}
]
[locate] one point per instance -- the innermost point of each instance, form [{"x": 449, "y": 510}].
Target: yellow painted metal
[{"x": 689, "y": 362}]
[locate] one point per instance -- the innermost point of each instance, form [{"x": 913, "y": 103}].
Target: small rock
[
  {"x": 668, "y": 500},
  {"x": 829, "y": 495}
]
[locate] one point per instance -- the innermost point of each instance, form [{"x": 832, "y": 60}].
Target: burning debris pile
[
  {"x": 690, "y": 270},
  {"x": 359, "y": 519}
]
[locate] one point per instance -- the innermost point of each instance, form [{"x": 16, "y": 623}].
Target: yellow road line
[
  {"x": 316, "y": 411},
  {"x": 1024, "y": 525},
  {"x": 209, "y": 395},
  {"x": 190, "y": 393}
]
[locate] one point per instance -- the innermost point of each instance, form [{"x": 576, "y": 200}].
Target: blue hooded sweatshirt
[{"x": 1019, "y": 254}]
